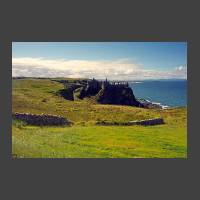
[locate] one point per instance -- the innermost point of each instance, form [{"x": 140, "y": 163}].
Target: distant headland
[{"x": 104, "y": 92}]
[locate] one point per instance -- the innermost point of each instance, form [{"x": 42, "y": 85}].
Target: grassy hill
[{"x": 84, "y": 138}]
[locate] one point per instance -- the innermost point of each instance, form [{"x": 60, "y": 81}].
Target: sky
[{"x": 112, "y": 60}]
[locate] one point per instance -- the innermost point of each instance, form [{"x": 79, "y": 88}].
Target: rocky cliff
[
  {"x": 104, "y": 91},
  {"x": 117, "y": 94}
]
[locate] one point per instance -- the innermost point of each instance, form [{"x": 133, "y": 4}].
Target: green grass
[
  {"x": 103, "y": 142},
  {"x": 84, "y": 139}
]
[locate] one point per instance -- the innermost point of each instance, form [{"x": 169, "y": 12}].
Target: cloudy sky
[{"x": 114, "y": 60}]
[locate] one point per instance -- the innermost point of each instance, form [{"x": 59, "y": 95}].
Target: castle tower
[{"x": 105, "y": 83}]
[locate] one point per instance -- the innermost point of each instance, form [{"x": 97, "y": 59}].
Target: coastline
[
  {"x": 156, "y": 105},
  {"x": 149, "y": 104},
  {"x": 163, "y": 94}
]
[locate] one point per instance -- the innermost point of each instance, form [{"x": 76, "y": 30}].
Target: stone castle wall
[{"x": 43, "y": 119}]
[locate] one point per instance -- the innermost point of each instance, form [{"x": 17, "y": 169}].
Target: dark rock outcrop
[
  {"x": 68, "y": 91},
  {"x": 117, "y": 94},
  {"x": 67, "y": 94},
  {"x": 90, "y": 89}
]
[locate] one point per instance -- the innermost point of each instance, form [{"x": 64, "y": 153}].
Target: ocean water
[{"x": 170, "y": 93}]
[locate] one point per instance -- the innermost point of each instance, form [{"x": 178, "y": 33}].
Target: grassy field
[{"x": 86, "y": 140}]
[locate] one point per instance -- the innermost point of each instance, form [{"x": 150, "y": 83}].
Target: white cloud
[
  {"x": 117, "y": 69},
  {"x": 179, "y": 68}
]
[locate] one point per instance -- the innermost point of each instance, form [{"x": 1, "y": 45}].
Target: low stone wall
[
  {"x": 147, "y": 122},
  {"x": 42, "y": 119}
]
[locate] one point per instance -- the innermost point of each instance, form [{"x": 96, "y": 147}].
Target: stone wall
[
  {"x": 42, "y": 119},
  {"x": 147, "y": 122}
]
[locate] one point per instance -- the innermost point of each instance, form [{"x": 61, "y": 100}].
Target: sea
[{"x": 166, "y": 93}]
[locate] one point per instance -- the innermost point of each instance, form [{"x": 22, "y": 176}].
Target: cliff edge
[{"x": 118, "y": 93}]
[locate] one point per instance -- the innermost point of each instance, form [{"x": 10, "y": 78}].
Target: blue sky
[{"x": 147, "y": 57}]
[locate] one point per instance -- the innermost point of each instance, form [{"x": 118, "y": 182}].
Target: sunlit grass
[{"x": 84, "y": 139}]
